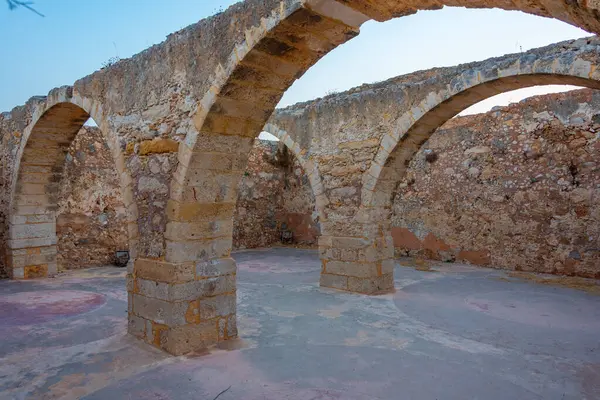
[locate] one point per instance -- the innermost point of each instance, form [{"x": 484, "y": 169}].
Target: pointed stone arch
[
  {"x": 574, "y": 63},
  {"x": 310, "y": 168},
  {"x": 36, "y": 176},
  {"x": 249, "y": 76},
  {"x": 249, "y": 83}
]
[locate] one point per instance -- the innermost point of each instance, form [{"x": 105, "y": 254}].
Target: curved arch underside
[
  {"x": 247, "y": 88},
  {"x": 411, "y": 140},
  {"x": 32, "y": 230},
  {"x": 39, "y": 168},
  {"x": 310, "y": 168}
]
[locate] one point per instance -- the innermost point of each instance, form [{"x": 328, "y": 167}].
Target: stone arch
[
  {"x": 571, "y": 64},
  {"x": 575, "y": 65},
  {"x": 38, "y": 168},
  {"x": 246, "y": 88},
  {"x": 242, "y": 93},
  {"x": 310, "y": 168}
]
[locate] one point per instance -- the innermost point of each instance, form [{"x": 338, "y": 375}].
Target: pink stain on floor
[{"x": 28, "y": 308}]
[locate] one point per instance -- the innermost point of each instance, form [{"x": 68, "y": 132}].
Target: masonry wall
[
  {"x": 91, "y": 217},
  {"x": 516, "y": 188},
  {"x": 9, "y": 142},
  {"x": 275, "y": 197},
  {"x": 91, "y": 223}
]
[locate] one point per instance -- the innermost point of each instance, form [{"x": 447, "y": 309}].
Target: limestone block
[
  {"x": 160, "y": 311},
  {"x": 179, "y": 252},
  {"x": 184, "y": 339},
  {"x": 26, "y": 243},
  {"x": 334, "y": 281},
  {"x": 176, "y": 231},
  {"x": 349, "y": 268},
  {"x": 383, "y": 283},
  {"x": 218, "y": 306},
  {"x": 160, "y": 271},
  {"x": 216, "y": 267},
  {"x": 30, "y": 231},
  {"x": 186, "y": 291},
  {"x": 136, "y": 326}
]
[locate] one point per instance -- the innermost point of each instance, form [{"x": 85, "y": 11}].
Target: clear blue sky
[{"x": 77, "y": 36}]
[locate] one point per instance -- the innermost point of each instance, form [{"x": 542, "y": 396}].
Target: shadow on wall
[
  {"x": 515, "y": 188},
  {"x": 275, "y": 202}
]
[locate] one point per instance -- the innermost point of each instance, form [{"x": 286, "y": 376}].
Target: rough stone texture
[
  {"x": 212, "y": 87},
  {"x": 91, "y": 223},
  {"x": 375, "y": 130},
  {"x": 274, "y": 197},
  {"x": 515, "y": 188}
]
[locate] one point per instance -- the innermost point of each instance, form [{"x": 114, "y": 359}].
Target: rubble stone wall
[
  {"x": 274, "y": 198},
  {"x": 91, "y": 223},
  {"x": 516, "y": 188}
]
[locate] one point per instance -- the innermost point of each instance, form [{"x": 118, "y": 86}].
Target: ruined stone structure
[
  {"x": 274, "y": 198},
  {"x": 90, "y": 214},
  {"x": 90, "y": 224},
  {"x": 180, "y": 119},
  {"x": 515, "y": 188}
]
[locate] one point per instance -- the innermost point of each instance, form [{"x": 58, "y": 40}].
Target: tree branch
[{"x": 14, "y": 4}]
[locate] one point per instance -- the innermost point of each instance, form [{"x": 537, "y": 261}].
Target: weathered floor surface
[{"x": 459, "y": 333}]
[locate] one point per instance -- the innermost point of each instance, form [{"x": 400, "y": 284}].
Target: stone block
[
  {"x": 349, "y": 242},
  {"x": 136, "y": 326},
  {"x": 158, "y": 146},
  {"x": 52, "y": 269},
  {"x": 203, "y": 288},
  {"x": 180, "y": 252},
  {"x": 216, "y": 267},
  {"x": 20, "y": 261},
  {"x": 184, "y": 231},
  {"x": 32, "y": 188},
  {"x": 160, "y": 311},
  {"x": 348, "y": 268},
  {"x": 161, "y": 271},
  {"x": 187, "y": 338},
  {"x": 17, "y": 273},
  {"x": 36, "y": 271},
  {"x": 334, "y": 281},
  {"x": 222, "y": 327},
  {"x": 27, "y": 243},
  {"x": 29, "y": 231},
  {"x": 196, "y": 211},
  {"x": 374, "y": 285},
  {"x": 152, "y": 289},
  {"x": 38, "y": 200},
  {"x": 387, "y": 266},
  {"x": 218, "y": 306},
  {"x": 232, "y": 331},
  {"x": 49, "y": 208},
  {"x": 186, "y": 291}
]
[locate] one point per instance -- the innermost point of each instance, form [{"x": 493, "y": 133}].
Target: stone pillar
[
  {"x": 31, "y": 251},
  {"x": 357, "y": 264},
  {"x": 182, "y": 307}
]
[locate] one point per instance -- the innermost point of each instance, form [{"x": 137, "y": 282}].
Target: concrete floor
[{"x": 459, "y": 333}]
